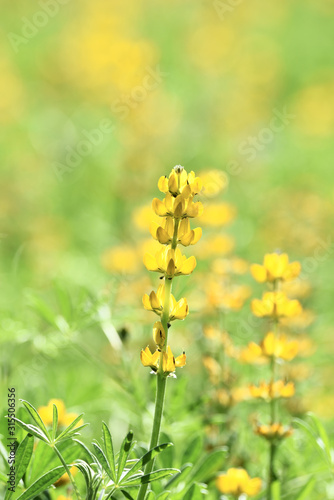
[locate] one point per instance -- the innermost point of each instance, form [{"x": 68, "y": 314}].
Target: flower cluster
[
  {"x": 237, "y": 482},
  {"x": 275, "y": 346},
  {"x": 178, "y": 206}
]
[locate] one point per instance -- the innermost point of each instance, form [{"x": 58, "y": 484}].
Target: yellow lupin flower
[
  {"x": 275, "y": 266},
  {"x": 64, "y": 418},
  {"x": 178, "y": 208},
  {"x": 238, "y": 482},
  {"x": 179, "y": 182},
  {"x": 272, "y": 346},
  {"x": 275, "y": 305},
  {"x": 273, "y": 432},
  {"x": 186, "y": 236},
  {"x": 155, "y": 301},
  {"x": 159, "y": 334},
  {"x": 149, "y": 359},
  {"x": 170, "y": 262},
  {"x": 169, "y": 362},
  {"x": 273, "y": 390}
]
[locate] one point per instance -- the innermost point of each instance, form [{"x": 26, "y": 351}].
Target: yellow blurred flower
[
  {"x": 273, "y": 432},
  {"x": 273, "y": 390},
  {"x": 64, "y": 418},
  {"x": 271, "y": 346},
  {"x": 121, "y": 259},
  {"x": 226, "y": 267},
  {"x": 155, "y": 302},
  {"x": 213, "y": 182},
  {"x": 64, "y": 479},
  {"x": 220, "y": 244},
  {"x": 143, "y": 217},
  {"x": 275, "y": 305},
  {"x": 314, "y": 108},
  {"x": 275, "y": 267},
  {"x": 238, "y": 482},
  {"x": 218, "y": 214},
  {"x": 170, "y": 262}
]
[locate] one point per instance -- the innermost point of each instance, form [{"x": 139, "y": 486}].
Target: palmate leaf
[
  {"x": 22, "y": 458},
  {"x": 124, "y": 453},
  {"x": 32, "y": 429},
  {"x": 36, "y": 417},
  {"x": 139, "y": 479},
  {"x": 109, "y": 450},
  {"x": 103, "y": 460},
  {"x": 66, "y": 433},
  {"x": 44, "y": 458},
  {"x": 145, "y": 459},
  {"x": 180, "y": 477},
  {"x": 42, "y": 483}
]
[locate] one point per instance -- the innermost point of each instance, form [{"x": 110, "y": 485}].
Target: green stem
[
  {"x": 66, "y": 467},
  {"x": 273, "y": 410},
  {"x": 161, "y": 378}
]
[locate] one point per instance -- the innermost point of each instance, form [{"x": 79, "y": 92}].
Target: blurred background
[{"x": 97, "y": 101}]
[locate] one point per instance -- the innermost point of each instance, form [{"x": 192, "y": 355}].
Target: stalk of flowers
[
  {"x": 275, "y": 347},
  {"x": 175, "y": 209}
]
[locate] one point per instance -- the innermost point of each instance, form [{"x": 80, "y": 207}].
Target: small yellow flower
[
  {"x": 159, "y": 334},
  {"x": 273, "y": 432},
  {"x": 64, "y": 418},
  {"x": 178, "y": 208},
  {"x": 275, "y": 266},
  {"x": 273, "y": 390},
  {"x": 121, "y": 259},
  {"x": 185, "y": 235},
  {"x": 218, "y": 214},
  {"x": 272, "y": 346},
  {"x": 170, "y": 262},
  {"x": 155, "y": 301},
  {"x": 238, "y": 482},
  {"x": 275, "y": 305},
  {"x": 179, "y": 182},
  {"x": 149, "y": 359},
  {"x": 170, "y": 363},
  {"x": 64, "y": 479}
]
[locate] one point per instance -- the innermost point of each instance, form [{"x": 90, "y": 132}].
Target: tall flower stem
[
  {"x": 161, "y": 384},
  {"x": 273, "y": 410}
]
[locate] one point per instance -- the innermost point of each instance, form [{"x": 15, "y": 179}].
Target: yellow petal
[
  {"x": 259, "y": 273},
  {"x": 159, "y": 335},
  {"x": 150, "y": 262},
  {"x": 159, "y": 207},
  {"x": 162, "y": 236},
  {"x": 163, "y": 184},
  {"x": 188, "y": 266},
  {"x": 147, "y": 302},
  {"x": 180, "y": 361}
]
